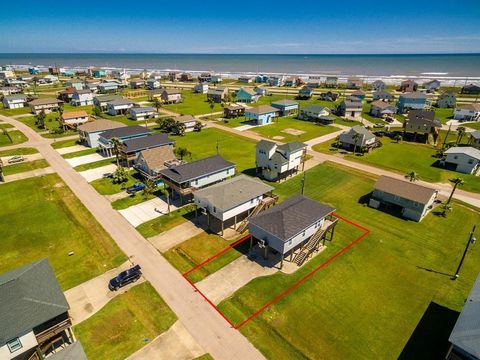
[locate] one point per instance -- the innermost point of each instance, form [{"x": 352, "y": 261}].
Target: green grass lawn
[
  {"x": 13, "y": 112},
  {"x": 234, "y": 148},
  {"x": 95, "y": 164},
  {"x": 473, "y": 125},
  {"x": 5, "y": 126},
  {"x": 122, "y": 118},
  {"x": 64, "y": 143},
  {"x": 25, "y": 166},
  {"x": 41, "y": 217},
  {"x": 135, "y": 199},
  {"x": 19, "y": 151},
  {"x": 51, "y": 124},
  {"x": 193, "y": 104},
  {"x": 87, "y": 151},
  {"x": 367, "y": 302},
  {"x": 105, "y": 186},
  {"x": 14, "y": 137},
  {"x": 166, "y": 222},
  {"x": 126, "y": 324},
  {"x": 443, "y": 115}
]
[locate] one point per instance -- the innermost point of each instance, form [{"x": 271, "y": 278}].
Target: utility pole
[
  {"x": 446, "y": 136},
  {"x": 303, "y": 183},
  {"x": 217, "y": 148},
  {"x": 471, "y": 240}
]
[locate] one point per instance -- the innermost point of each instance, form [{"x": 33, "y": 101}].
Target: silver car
[{"x": 16, "y": 159}]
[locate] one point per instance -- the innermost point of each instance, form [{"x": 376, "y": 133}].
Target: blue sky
[{"x": 263, "y": 26}]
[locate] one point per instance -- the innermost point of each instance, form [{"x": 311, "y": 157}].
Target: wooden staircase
[{"x": 262, "y": 205}]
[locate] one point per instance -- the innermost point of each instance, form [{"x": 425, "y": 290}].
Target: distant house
[
  {"x": 261, "y": 78},
  {"x": 231, "y": 202},
  {"x": 245, "y": 79},
  {"x": 33, "y": 70},
  {"x": 171, "y": 96},
  {"x": 122, "y": 133},
  {"x": 378, "y": 85},
  {"x": 90, "y": 131},
  {"x": 411, "y": 101},
  {"x": 328, "y": 96},
  {"x": 34, "y": 314},
  {"x": 313, "y": 113},
  {"x": 173, "y": 76},
  {"x": 464, "y": 159},
  {"x": 44, "y": 104},
  {"x": 275, "y": 162},
  {"x": 431, "y": 86},
  {"x": 467, "y": 112},
  {"x": 295, "y": 228},
  {"x": 188, "y": 120},
  {"x": 331, "y": 81},
  {"x": 132, "y": 147},
  {"x": 186, "y": 77},
  {"x": 474, "y": 139},
  {"x": 381, "y": 108},
  {"x": 150, "y": 162},
  {"x": 6, "y": 74},
  {"x": 119, "y": 107},
  {"x": 185, "y": 179},
  {"x": 152, "y": 84},
  {"x": 137, "y": 84},
  {"x": 14, "y": 101},
  {"x": 290, "y": 81},
  {"x": 108, "y": 87},
  {"x": 204, "y": 77},
  {"x": 101, "y": 101},
  {"x": 314, "y": 81},
  {"x": 72, "y": 119},
  {"x": 276, "y": 81},
  {"x": 305, "y": 93},
  {"x": 9, "y": 90},
  {"x": 233, "y": 111},
  {"x": 354, "y": 83},
  {"x": 82, "y": 98},
  {"x": 260, "y": 90},
  {"x": 408, "y": 86},
  {"x": 358, "y": 138},
  {"x": 262, "y": 115},
  {"x": 67, "y": 94},
  {"x": 246, "y": 95},
  {"x": 99, "y": 73},
  {"x": 285, "y": 107},
  {"x": 51, "y": 79},
  {"x": 77, "y": 84},
  {"x": 155, "y": 76},
  {"x": 471, "y": 89},
  {"x": 446, "y": 100},
  {"x": 465, "y": 338},
  {"x": 359, "y": 94},
  {"x": 421, "y": 124},
  {"x": 142, "y": 113},
  {"x": 216, "y": 79},
  {"x": 218, "y": 94},
  {"x": 413, "y": 201},
  {"x": 200, "y": 88},
  {"x": 351, "y": 109}
]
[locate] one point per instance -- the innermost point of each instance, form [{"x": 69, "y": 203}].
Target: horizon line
[{"x": 220, "y": 53}]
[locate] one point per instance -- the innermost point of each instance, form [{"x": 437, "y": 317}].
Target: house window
[
  {"x": 14, "y": 345},
  {"x": 214, "y": 209},
  {"x": 289, "y": 243},
  {"x": 303, "y": 234},
  {"x": 470, "y": 161},
  {"x": 251, "y": 201},
  {"x": 455, "y": 157}
]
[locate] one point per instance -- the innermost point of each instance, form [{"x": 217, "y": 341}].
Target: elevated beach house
[
  {"x": 464, "y": 159},
  {"x": 467, "y": 112},
  {"x": 383, "y": 95},
  {"x": 411, "y": 101},
  {"x": 218, "y": 94},
  {"x": 408, "y": 86},
  {"x": 378, "y": 85},
  {"x": 233, "y": 111},
  {"x": 315, "y": 113},
  {"x": 276, "y": 162},
  {"x": 101, "y": 101},
  {"x": 229, "y": 204},
  {"x": 276, "y": 81},
  {"x": 474, "y": 139},
  {"x": 261, "y": 115},
  {"x": 130, "y": 148},
  {"x": 246, "y": 95},
  {"x": 44, "y": 104},
  {"x": 359, "y": 94},
  {"x": 331, "y": 82},
  {"x": 119, "y": 107},
  {"x": 357, "y": 139},
  {"x": 411, "y": 201},
  {"x": 471, "y": 89},
  {"x": 286, "y": 107},
  {"x": 76, "y": 84},
  {"x": 121, "y": 133},
  {"x": 295, "y": 228},
  {"x": 14, "y": 101},
  {"x": 90, "y": 131},
  {"x": 34, "y": 313},
  {"x": 382, "y": 109},
  {"x": 205, "y": 77},
  {"x": 153, "y": 84},
  {"x": 421, "y": 125},
  {"x": 431, "y": 86},
  {"x": 137, "y": 84},
  {"x": 186, "y": 178},
  {"x": 245, "y": 79},
  {"x": 354, "y": 83},
  {"x": 305, "y": 93},
  {"x": 150, "y": 162},
  {"x": 170, "y": 96},
  {"x": 186, "y": 77},
  {"x": 108, "y": 87},
  {"x": 446, "y": 100},
  {"x": 143, "y": 113},
  {"x": 260, "y": 90},
  {"x": 72, "y": 119},
  {"x": 328, "y": 96},
  {"x": 82, "y": 98},
  {"x": 201, "y": 88},
  {"x": 188, "y": 121},
  {"x": 351, "y": 109}
]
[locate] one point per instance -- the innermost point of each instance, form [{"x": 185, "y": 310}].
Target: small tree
[
  {"x": 2, "y": 178},
  {"x": 412, "y": 176},
  {"x": 182, "y": 152},
  {"x": 40, "y": 119},
  {"x": 446, "y": 208},
  {"x": 165, "y": 124},
  {"x": 460, "y": 133},
  {"x": 120, "y": 175},
  {"x": 117, "y": 144},
  {"x": 198, "y": 126},
  {"x": 157, "y": 103},
  {"x": 97, "y": 111},
  {"x": 456, "y": 182},
  {"x": 212, "y": 104},
  {"x": 149, "y": 188},
  {"x": 179, "y": 128},
  {"x": 355, "y": 139},
  {"x": 398, "y": 138}
]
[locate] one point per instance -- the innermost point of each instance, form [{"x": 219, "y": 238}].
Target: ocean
[{"x": 447, "y": 66}]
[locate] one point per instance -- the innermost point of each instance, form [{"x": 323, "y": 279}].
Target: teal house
[
  {"x": 99, "y": 73},
  {"x": 261, "y": 115},
  {"x": 411, "y": 101},
  {"x": 247, "y": 95}
]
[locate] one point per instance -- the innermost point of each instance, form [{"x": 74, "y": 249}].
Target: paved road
[{"x": 206, "y": 326}]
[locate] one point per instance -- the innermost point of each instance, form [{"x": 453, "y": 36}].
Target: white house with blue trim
[{"x": 262, "y": 115}]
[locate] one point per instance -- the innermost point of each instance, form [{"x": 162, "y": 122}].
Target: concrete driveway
[
  {"x": 178, "y": 234},
  {"x": 30, "y": 157},
  {"x": 71, "y": 149},
  {"x": 86, "y": 159},
  {"x": 88, "y": 298},
  {"x": 97, "y": 173},
  {"x": 138, "y": 214}
]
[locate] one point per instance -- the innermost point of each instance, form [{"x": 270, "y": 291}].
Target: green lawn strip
[
  {"x": 475, "y": 125},
  {"x": 443, "y": 115},
  {"x": 79, "y": 153},
  {"x": 13, "y": 112},
  {"x": 204, "y": 357},
  {"x": 41, "y": 218},
  {"x": 64, "y": 143},
  {"x": 12, "y": 138},
  {"x": 122, "y": 119},
  {"x": 105, "y": 186},
  {"x": 166, "y": 222},
  {"x": 5, "y": 126},
  {"x": 19, "y": 151},
  {"x": 193, "y": 104},
  {"x": 199, "y": 248},
  {"x": 25, "y": 166},
  {"x": 135, "y": 199},
  {"x": 235, "y": 148},
  {"x": 368, "y": 301},
  {"x": 51, "y": 125},
  {"x": 95, "y": 164},
  {"x": 126, "y": 324}
]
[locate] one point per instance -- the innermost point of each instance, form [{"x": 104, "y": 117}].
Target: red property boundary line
[{"x": 285, "y": 292}]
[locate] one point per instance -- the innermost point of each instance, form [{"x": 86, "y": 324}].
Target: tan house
[
  {"x": 421, "y": 124},
  {"x": 150, "y": 162},
  {"x": 72, "y": 119},
  {"x": 47, "y": 105},
  {"x": 408, "y": 86}
]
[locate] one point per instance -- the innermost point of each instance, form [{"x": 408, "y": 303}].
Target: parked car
[
  {"x": 16, "y": 159},
  {"x": 135, "y": 188},
  {"x": 125, "y": 277},
  {"x": 107, "y": 175}
]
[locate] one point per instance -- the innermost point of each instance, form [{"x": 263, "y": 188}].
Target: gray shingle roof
[
  {"x": 291, "y": 217},
  {"x": 190, "y": 171},
  {"x": 146, "y": 142},
  {"x": 71, "y": 352},
  {"x": 233, "y": 192},
  {"x": 404, "y": 189},
  {"x": 265, "y": 145},
  {"x": 475, "y": 134},
  {"x": 262, "y": 109},
  {"x": 292, "y": 146},
  {"x": 139, "y": 110},
  {"x": 284, "y": 102},
  {"x": 467, "y": 150},
  {"x": 29, "y": 296},
  {"x": 414, "y": 95},
  {"x": 108, "y": 98},
  {"x": 466, "y": 332},
  {"x": 16, "y": 97},
  {"x": 125, "y": 131},
  {"x": 100, "y": 125},
  {"x": 423, "y": 117}
]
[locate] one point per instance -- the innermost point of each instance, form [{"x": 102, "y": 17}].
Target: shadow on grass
[
  {"x": 429, "y": 340},
  {"x": 434, "y": 271}
]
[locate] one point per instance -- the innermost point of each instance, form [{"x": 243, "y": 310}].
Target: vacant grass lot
[
  {"x": 95, "y": 164},
  {"x": 14, "y": 137},
  {"x": 25, "y": 166},
  {"x": 474, "y": 125},
  {"x": 166, "y": 222},
  {"x": 126, "y": 324},
  {"x": 41, "y": 218},
  {"x": 87, "y": 151},
  {"x": 13, "y": 112},
  {"x": 443, "y": 115},
  {"x": 51, "y": 124},
  {"x": 366, "y": 303},
  {"x": 64, "y": 143},
  {"x": 19, "y": 151},
  {"x": 105, "y": 186},
  {"x": 193, "y": 104}
]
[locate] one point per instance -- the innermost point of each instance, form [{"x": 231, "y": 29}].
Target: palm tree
[
  {"x": 120, "y": 175},
  {"x": 355, "y": 139},
  {"x": 412, "y": 176},
  {"x": 157, "y": 103},
  {"x": 167, "y": 195},
  {"x": 445, "y": 209},
  {"x": 182, "y": 152},
  {"x": 198, "y": 126},
  {"x": 2, "y": 178},
  {"x": 460, "y": 132},
  {"x": 149, "y": 188},
  {"x": 398, "y": 138},
  {"x": 116, "y": 148},
  {"x": 212, "y": 104},
  {"x": 455, "y": 182}
]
